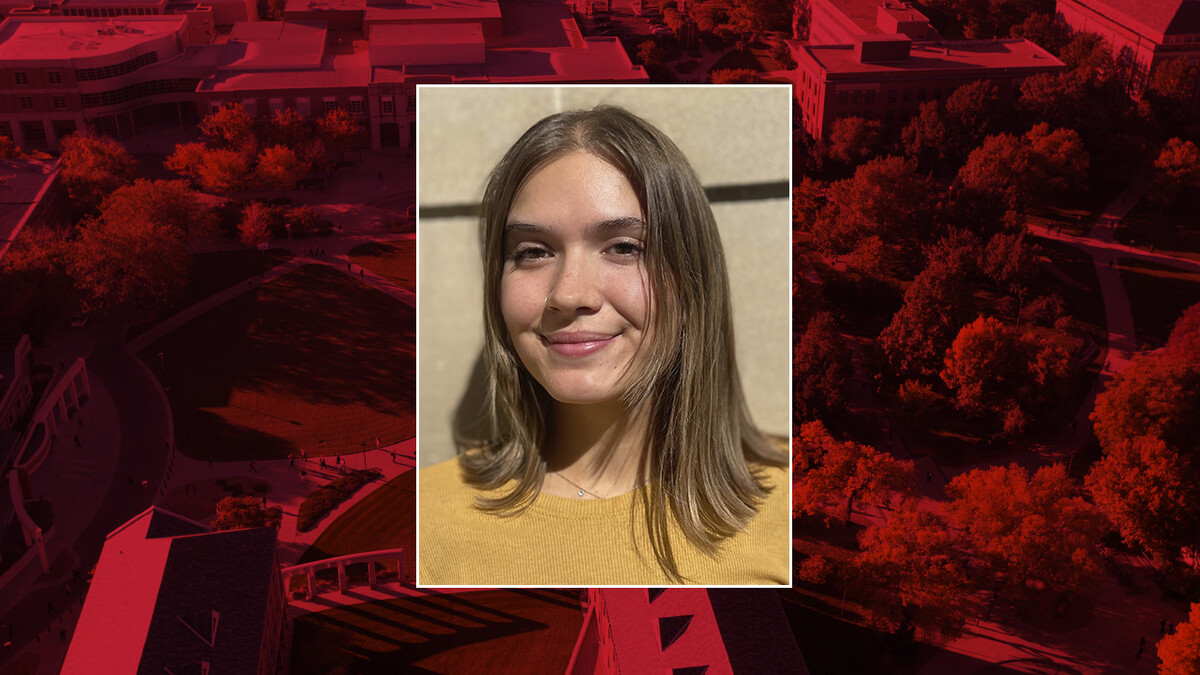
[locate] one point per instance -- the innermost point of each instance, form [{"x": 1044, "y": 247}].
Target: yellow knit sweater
[{"x": 567, "y": 542}]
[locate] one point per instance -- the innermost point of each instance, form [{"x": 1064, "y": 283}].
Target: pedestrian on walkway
[
  {"x": 348, "y": 267},
  {"x": 291, "y": 461},
  {"x": 323, "y": 463},
  {"x": 393, "y": 451},
  {"x": 360, "y": 273},
  {"x": 252, "y": 469},
  {"x": 303, "y": 455},
  {"x": 209, "y": 461},
  {"x": 928, "y": 476},
  {"x": 303, "y": 475}
]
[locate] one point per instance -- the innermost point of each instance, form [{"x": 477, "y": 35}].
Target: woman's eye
[
  {"x": 530, "y": 253},
  {"x": 626, "y": 248}
]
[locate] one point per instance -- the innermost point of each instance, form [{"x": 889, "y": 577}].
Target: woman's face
[{"x": 574, "y": 292}]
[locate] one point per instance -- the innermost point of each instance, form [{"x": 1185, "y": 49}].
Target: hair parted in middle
[{"x": 700, "y": 434}]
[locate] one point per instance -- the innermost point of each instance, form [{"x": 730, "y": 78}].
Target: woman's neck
[{"x": 596, "y": 448}]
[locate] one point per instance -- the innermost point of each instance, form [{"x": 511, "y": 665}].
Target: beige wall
[{"x": 736, "y": 135}]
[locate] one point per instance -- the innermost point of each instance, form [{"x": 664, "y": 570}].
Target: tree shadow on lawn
[
  {"x": 315, "y": 359},
  {"x": 393, "y": 260}
]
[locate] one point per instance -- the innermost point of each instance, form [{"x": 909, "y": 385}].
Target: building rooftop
[
  {"x": 112, "y": 3},
  {"x": 274, "y": 45},
  {"x": 425, "y": 11},
  {"x": 168, "y": 594},
  {"x": 334, "y": 70},
  {"x": 66, "y": 38},
  {"x": 959, "y": 55},
  {"x": 1159, "y": 17},
  {"x": 653, "y": 628},
  {"x": 598, "y": 59}
]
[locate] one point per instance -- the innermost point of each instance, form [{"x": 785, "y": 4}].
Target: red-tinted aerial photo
[{"x": 208, "y": 337}]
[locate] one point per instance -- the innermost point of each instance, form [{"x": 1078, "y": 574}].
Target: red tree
[
  {"x": 830, "y": 475},
  {"x": 1037, "y": 532}
]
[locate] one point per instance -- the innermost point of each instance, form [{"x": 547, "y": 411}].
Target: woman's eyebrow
[
  {"x": 622, "y": 225},
  {"x": 603, "y": 227},
  {"x": 522, "y": 226}
]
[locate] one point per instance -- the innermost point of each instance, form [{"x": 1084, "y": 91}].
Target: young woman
[{"x": 620, "y": 450}]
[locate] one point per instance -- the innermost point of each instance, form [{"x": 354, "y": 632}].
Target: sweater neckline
[{"x": 567, "y": 507}]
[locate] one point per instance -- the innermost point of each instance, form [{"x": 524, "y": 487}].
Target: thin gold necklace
[{"x": 584, "y": 491}]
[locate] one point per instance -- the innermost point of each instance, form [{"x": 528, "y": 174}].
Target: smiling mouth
[{"x": 577, "y": 344}]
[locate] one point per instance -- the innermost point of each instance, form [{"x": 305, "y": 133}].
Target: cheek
[
  {"x": 631, "y": 296},
  {"x": 519, "y": 303}
]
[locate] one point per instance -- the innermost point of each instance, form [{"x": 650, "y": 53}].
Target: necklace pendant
[{"x": 581, "y": 493}]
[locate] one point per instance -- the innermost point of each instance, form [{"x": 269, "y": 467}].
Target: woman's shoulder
[{"x": 441, "y": 475}]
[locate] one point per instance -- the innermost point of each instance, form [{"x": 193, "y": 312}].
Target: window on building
[
  {"x": 251, "y": 106},
  {"x": 54, "y": 77},
  {"x": 356, "y": 105},
  {"x": 21, "y": 77},
  {"x": 304, "y": 106},
  {"x": 34, "y": 132},
  {"x": 907, "y": 95},
  {"x": 275, "y": 105},
  {"x": 63, "y": 128},
  {"x": 328, "y": 104},
  {"x": 891, "y": 96},
  {"x": 856, "y": 96},
  {"x": 412, "y": 103},
  {"x": 60, "y": 102},
  {"x": 387, "y": 106},
  {"x": 26, "y": 103}
]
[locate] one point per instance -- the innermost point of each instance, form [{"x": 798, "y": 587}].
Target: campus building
[
  {"x": 888, "y": 77},
  {"x": 841, "y": 22},
  {"x": 59, "y": 74},
  {"x": 168, "y": 596},
  {"x": 1141, "y": 34},
  {"x": 121, "y": 75},
  {"x": 685, "y": 631}
]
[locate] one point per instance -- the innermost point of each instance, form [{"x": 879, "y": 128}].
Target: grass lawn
[
  {"x": 386, "y": 518},
  {"x": 514, "y": 631},
  {"x": 212, "y": 272},
  {"x": 393, "y": 260},
  {"x": 314, "y": 360},
  {"x": 1158, "y": 294},
  {"x": 1173, "y": 232}
]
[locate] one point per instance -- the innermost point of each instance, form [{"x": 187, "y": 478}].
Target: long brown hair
[{"x": 701, "y": 436}]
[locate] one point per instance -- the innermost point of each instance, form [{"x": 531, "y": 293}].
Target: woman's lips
[{"x": 577, "y": 344}]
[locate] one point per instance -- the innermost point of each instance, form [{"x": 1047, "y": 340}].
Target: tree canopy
[
  {"x": 92, "y": 167},
  {"x": 829, "y": 474},
  {"x": 1036, "y": 531},
  {"x": 237, "y": 513},
  {"x": 1179, "y": 652}
]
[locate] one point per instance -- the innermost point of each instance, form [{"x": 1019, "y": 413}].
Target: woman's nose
[{"x": 576, "y": 288}]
